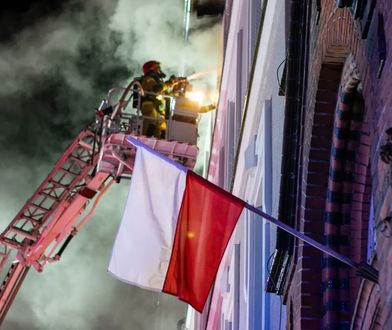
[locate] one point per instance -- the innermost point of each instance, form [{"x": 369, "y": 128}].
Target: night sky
[{"x": 57, "y": 61}]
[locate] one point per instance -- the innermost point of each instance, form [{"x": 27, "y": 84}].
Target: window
[
  {"x": 362, "y": 10},
  {"x": 357, "y": 8},
  {"x": 365, "y": 16}
]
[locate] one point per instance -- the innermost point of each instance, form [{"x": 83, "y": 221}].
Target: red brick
[
  {"x": 319, "y": 191},
  {"x": 314, "y": 215},
  {"x": 319, "y": 167},
  {"x": 331, "y": 40}
]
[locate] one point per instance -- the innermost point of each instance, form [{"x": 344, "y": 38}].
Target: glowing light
[
  {"x": 195, "y": 96},
  {"x": 215, "y": 96},
  {"x": 190, "y": 234}
]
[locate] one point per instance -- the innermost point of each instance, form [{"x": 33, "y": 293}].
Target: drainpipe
[{"x": 187, "y": 15}]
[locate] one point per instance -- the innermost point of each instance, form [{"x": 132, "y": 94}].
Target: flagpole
[{"x": 363, "y": 269}]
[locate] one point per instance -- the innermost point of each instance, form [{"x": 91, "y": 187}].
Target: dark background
[{"x": 50, "y": 87}]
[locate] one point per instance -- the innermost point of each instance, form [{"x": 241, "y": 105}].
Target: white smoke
[
  {"x": 53, "y": 74},
  {"x": 155, "y": 31}
]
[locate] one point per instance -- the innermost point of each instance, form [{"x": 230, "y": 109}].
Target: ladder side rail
[
  {"x": 10, "y": 287},
  {"x": 24, "y": 226},
  {"x": 63, "y": 224},
  {"x": 79, "y": 179},
  {"x": 169, "y": 148},
  {"x": 118, "y": 154},
  {"x": 33, "y": 214}
]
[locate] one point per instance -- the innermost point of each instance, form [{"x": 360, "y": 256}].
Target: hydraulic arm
[{"x": 66, "y": 199}]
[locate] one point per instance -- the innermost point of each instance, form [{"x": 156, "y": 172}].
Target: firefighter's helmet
[{"x": 153, "y": 67}]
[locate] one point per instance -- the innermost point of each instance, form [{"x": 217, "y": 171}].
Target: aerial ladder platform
[{"x": 99, "y": 156}]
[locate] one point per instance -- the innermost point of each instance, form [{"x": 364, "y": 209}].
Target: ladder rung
[
  {"x": 7, "y": 276},
  {"x": 10, "y": 242},
  {"x": 23, "y": 233},
  {"x": 58, "y": 184},
  {"x": 39, "y": 207},
  {"x": 15, "y": 279},
  {"x": 78, "y": 160},
  {"x": 32, "y": 220},
  {"x": 69, "y": 172},
  {"x": 56, "y": 198}
]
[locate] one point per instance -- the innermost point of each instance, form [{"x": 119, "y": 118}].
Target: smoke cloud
[
  {"x": 54, "y": 73},
  {"x": 147, "y": 29}
]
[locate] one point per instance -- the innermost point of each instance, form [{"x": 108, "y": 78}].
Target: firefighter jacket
[{"x": 151, "y": 83}]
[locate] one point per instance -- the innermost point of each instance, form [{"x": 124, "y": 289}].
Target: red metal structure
[{"x": 64, "y": 202}]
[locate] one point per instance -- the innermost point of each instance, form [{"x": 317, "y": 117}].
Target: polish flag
[{"x": 174, "y": 230}]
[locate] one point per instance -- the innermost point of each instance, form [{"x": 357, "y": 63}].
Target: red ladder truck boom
[{"x": 99, "y": 156}]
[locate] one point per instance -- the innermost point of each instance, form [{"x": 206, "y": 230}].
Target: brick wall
[{"x": 335, "y": 36}]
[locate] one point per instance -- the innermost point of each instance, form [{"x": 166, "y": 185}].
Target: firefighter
[{"x": 153, "y": 105}]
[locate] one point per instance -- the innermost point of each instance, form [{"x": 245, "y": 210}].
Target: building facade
[
  {"x": 245, "y": 160},
  {"x": 336, "y": 167}
]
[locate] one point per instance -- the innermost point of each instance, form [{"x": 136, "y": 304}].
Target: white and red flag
[{"x": 174, "y": 230}]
